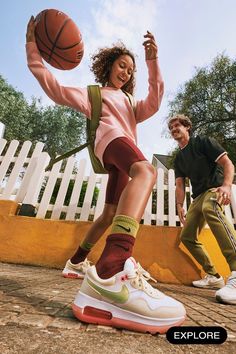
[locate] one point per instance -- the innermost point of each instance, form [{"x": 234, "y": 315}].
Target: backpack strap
[
  {"x": 96, "y": 110},
  {"x": 66, "y": 155},
  {"x": 95, "y": 98}
]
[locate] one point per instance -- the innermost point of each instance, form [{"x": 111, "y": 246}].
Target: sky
[{"x": 189, "y": 33}]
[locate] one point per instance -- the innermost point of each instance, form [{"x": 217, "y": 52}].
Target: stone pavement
[{"x": 36, "y": 317}]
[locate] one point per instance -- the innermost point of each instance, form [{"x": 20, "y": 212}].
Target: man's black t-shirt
[{"x": 197, "y": 162}]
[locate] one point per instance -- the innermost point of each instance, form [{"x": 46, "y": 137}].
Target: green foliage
[
  {"x": 209, "y": 99},
  {"x": 59, "y": 128}
]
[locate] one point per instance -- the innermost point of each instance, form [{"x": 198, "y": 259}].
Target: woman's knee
[{"x": 145, "y": 169}]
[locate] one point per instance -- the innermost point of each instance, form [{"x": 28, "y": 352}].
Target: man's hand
[
  {"x": 223, "y": 194},
  {"x": 30, "y": 37},
  {"x": 150, "y": 46},
  {"x": 224, "y": 191},
  {"x": 181, "y": 213}
]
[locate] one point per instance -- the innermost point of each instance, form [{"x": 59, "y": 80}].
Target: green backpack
[{"x": 91, "y": 128}]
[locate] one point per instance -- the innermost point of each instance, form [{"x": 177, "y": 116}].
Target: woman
[{"x": 130, "y": 182}]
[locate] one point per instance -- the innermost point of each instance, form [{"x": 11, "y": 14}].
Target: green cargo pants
[{"x": 204, "y": 209}]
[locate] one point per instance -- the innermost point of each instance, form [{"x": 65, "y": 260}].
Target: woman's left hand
[{"x": 150, "y": 46}]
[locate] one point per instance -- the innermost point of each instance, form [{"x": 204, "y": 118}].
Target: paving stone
[
  {"x": 67, "y": 312},
  {"x": 108, "y": 329},
  {"x": 40, "y": 297},
  {"x": 189, "y": 322},
  {"x": 5, "y": 317},
  {"x": 66, "y": 323},
  {"x": 53, "y": 303},
  {"x": 231, "y": 326},
  {"x": 231, "y": 336},
  {"x": 124, "y": 331},
  {"x": 34, "y": 320}
]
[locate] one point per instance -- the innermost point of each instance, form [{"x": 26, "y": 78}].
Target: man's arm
[
  {"x": 224, "y": 191},
  {"x": 180, "y": 195}
]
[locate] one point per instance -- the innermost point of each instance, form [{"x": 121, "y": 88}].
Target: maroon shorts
[{"x": 118, "y": 158}]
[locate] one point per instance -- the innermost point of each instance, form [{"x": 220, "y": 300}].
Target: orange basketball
[{"x": 58, "y": 39}]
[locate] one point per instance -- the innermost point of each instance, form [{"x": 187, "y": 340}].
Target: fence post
[
  {"x": 58, "y": 206},
  {"x": 233, "y": 202},
  {"x": 160, "y": 197},
  {"x": 36, "y": 180},
  {"x": 171, "y": 198},
  {"x": 2, "y": 130},
  {"x": 101, "y": 197},
  {"x": 51, "y": 182},
  {"x": 84, "y": 216},
  {"x": 71, "y": 211},
  {"x": 29, "y": 172}
]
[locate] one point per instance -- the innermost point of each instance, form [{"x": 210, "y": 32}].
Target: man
[{"x": 210, "y": 171}]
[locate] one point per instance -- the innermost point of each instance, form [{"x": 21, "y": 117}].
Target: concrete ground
[{"x": 36, "y": 317}]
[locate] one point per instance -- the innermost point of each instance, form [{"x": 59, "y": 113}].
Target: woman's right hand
[{"x": 30, "y": 37}]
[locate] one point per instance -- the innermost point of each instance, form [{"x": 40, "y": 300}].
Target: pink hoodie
[{"x": 118, "y": 118}]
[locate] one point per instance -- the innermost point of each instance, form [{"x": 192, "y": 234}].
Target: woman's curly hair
[{"x": 103, "y": 60}]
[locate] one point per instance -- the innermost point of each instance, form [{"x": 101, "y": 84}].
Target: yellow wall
[{"x": 27, "y": 240}]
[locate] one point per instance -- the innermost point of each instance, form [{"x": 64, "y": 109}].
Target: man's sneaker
[
  {"x": 209, "y": 282},
  {"x": 126, "y": 300},
  {"x": 227, "y": 294},
  {"x": 76, "y": 271}
]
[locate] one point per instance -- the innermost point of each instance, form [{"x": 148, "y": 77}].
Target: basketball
[{"x": 58, "y": 39}]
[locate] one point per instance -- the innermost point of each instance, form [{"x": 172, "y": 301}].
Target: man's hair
[{"x": 184, "y": 120}]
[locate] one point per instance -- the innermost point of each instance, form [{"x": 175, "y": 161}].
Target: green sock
[
  {"x": 87, "y": 246},
  {"x": 123, "y": 224}
]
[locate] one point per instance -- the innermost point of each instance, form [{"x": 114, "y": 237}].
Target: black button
[{"x": 196, "y": 335}]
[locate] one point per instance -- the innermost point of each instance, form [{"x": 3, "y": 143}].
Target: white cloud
[{"x": 126, "y": 20}]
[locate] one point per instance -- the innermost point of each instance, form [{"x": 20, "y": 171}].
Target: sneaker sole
[
  {"x": 73, "y": 276},
  {"x": 106, "y": 314},
  {"x": 213, "y": 287},
  {"x": 228, "y": 302}
]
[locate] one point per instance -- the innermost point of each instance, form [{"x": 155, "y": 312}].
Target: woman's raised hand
[
  {"x": 30, "y": 37},
  {"x": 150, "y": 46}
]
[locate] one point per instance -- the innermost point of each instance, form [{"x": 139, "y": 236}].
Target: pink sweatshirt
[{"x": 118, "y": 118}]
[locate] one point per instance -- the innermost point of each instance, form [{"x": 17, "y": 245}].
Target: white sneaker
[
  {"x": 145, "y": 274},
  {"x": 209, "y": 282},
  {"x": 227, "y": 294},
  {"x": 76, "y": 271},
  {"x": 126, "y": 300}
]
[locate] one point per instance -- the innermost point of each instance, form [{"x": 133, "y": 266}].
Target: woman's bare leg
[{"x": 135, "y": 195}]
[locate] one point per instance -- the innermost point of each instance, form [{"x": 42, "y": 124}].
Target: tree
[
  {"x": 209, "y": 99},
  {"x": 59, "y": 128}
]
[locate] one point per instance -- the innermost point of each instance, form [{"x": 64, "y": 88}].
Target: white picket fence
[{"x": 24, "y": 180}]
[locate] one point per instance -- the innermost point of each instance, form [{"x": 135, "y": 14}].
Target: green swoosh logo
[{"x": 119, "y": 297}]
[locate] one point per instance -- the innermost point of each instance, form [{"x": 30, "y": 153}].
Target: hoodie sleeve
[
  {"x": 150, "y": 105},
  {"x": 76, "y": 98}
]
